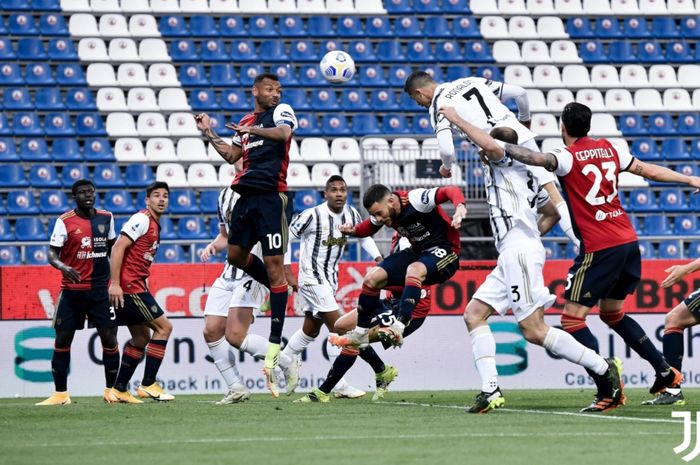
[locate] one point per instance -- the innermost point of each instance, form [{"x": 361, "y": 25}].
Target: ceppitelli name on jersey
[
  {"x": 83, "y": 255},
  {"x": 585, "y": 155}
]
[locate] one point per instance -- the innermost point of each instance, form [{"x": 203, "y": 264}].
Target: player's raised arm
[
  {"x": 510, "y": 91},
  {"x": 229, "y": 152},
  {"x": 676, "y": 272},
  {"x": 662, "y": 174}
]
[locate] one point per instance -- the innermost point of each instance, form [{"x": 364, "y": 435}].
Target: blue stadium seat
[
  {"x": 52, "y": 25},
  {"x": 296, "y": 98},
  {"x": 636, "y": 28},
  {"x": 689, "y": 124},
  {"x": 8, "y": 150},
  {"x": 489, "y": 72},
  {"x": 170, "y": 253},
  {"x": 362, "y": 51},
  {"x": 213, "y": 50},
  {"x": 354, "y": 100},
  {"x": 107, "y": 175},
  {"x": 263, "y": 26},
  {"x": 378, "y": 26},
  {"x": 304, "y": 50},
  {"x": 324, "y": 100},
  {"x": 80, "y": 99},
  {"x": 213, "y": 227},
  {"x": 192, "y": 227},
  {"x": 661, "y": 124},
  {"x": 10, "y": 75},
  {"x": 695, "y": 149},
  {"x": 435, "y": 72},
  {"x": 9, "y": 255},
  {"x": 291, "y": 26},
  {"x": 622, "y": 51},
  {"x": 646, "y": 249},
  {"x": 232, "y": 26},
  {"x": 26, "y": 124},
  {"x": 273, "y": 50},
  {"x": 286, "y": 73},
  {"x": 235, "y": 99},
  {"x": 218, "y": 122},
  {"x": 679, "y": 52},
  {"x": 690, "y": 27},
  {"x": 670, "y": 250},
  {"x": 420, "y": 51},
  {"x": 349, "y": 26},
  {"x": 552, "y": 250},
  {"x": 372, "y": 76},
  {"x": 665, "y": 28},
  {"x": 15, "y": 5},
  {"x": 407, "y": 26},
  {"x": 579, "y": 28},
  {"x": 22, "y": 24},
  {"x": 36, "y": 255},
  {"x": 203, "y": 26},
  {"x": 39, "y": 74},
  {"x": 183, "y": 50},
  {"x": 119, "y": 201},
  {"x": 17, "y": 98},
  {"x": 72, "y": 172},
  {"x": 310, "y": 76},
  {"x": 6, "y": 233},
  {"x": 334, "y": 125},
  {"x": 183, "y": 201},
  {"x": 53, "y": 202},
  {"x": 222, "y": 75},
  {"x": 398, "y": 75},
  {"x": 448, "y": 51},
  {"x": 321, "y": 26},
  {"x": 62, "y": 50},
  {"x": 607, "y": 27},
  {"x": 632, "y": 125},
  {"x": 427, "y": 6},
  {"x": 204, "y": 100},
  {"x": 5, "y": 129},
  {"x": 119, "y": 223},
  {"x": 304, "y": 199},
  {"x": 693, "y": 250},
  {"x": 34, "y": 150},
  {"x": 295, "y": 251},
  {"x": 70, "y": 74},
  {"x": 138, "y": 175},
  {"x": 391, "y": 51},
  {"x": 46, "y": 5},
  {"x": 90, "y": 124},
  {"x": 570, "y": 250},
  {"x": 44, "y": 175},
  {"x": 477, "y": 50},
  {"x": 398, "y": 6},
  {"x": 7, "y": 51},
  {"x": 458, "y": 71},
  {"x": 173, "y": 26},
  {"x": 657, "y": 225},
  {"x": 421, "y": 125},
  {"x": 21, "y": 203},
  {"x": 58, "y": 124},
  {"x": 395, "y": 124},
  {"x": 208, "y": 201},
  {"x": 408, "y": 104},
  {"x": 365, "y": 125},
  {"x": 686, "y": 225},
  {"x": 249, "y": 73},
  {"x": 384, "y": 100},
  {"x": 592, "y": 51},
  {"x": 193, "y": 75},
  {"x": 650, "y": 51},
  {"x": 645, "y": 148},
  {"x": 48, "y": 99},
  {"x": 642, "y": 200},
  {"x": 31, "y": 49},
  {"x": 675, "y": 149},
  {"x": 98, "y": 149}
]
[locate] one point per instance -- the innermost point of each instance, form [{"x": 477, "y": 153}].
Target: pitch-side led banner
[
  {"x": 437, "y": 357},
  {"x": 29, "y": 292}
]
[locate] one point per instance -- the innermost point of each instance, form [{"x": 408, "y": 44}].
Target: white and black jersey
[
  {"x": 322, "y": 244},
  {"x": 227, "y": 199}
]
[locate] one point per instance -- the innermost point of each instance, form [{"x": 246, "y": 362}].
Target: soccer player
[
  {"x": 263, "y": 212},
  {"x": 432, "y": 259},
  {"x": 608, "y": 266},
  {"x": 515, "y": 199},
  {"x": 79, "y": 248},
  {"x": 322, "y": 246},
  {"x": 480, "y": 101},
  {"x": 132, "y": 256},
  {"x": 684, "y": 315}
]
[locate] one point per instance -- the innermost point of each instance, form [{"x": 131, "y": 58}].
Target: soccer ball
[{"x": 337, "y": 66}]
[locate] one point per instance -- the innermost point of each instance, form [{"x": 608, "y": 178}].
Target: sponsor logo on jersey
[
  {"x": 600, "y": 215},
  {"x": 331, "y": 241},
  {"x": 252, "y": 145},
  {"x": 425, "y": 197},
  {"x": 85, "y": 243},
  {"x": 83, "y": 255}
]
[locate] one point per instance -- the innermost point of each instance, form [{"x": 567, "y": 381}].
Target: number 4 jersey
[{"x": 588, "y": 171}]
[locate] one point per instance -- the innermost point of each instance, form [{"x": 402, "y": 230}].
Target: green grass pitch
[{"x": 536, "y": 427}]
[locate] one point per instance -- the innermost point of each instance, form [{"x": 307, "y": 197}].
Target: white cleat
[
  {"x": 235, "y": 395},
  {"x": 344, "y": 390},
  {"x": 291, "y": 373}
]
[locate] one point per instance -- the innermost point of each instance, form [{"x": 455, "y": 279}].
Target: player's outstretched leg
[{"x": 342, "y": 364}]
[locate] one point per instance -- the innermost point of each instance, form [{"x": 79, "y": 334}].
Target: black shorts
[
  {"x": 264, "y": 218},
  {"x": 73, "y": 307},
  {"x": 611, "y": 273},
  {"x": 693, "y": 304},
  {"x": 441, "y": 263},
  {"x": 138, "y": 309},
  {"x": 389, "y": 313}
]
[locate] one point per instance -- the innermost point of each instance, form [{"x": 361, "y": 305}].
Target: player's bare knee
[
  {"x": 475, "y": 314},
  {"x": 235, "y": 337},
  {"x": 533, "y": 333},
  {"x": 416, "y": 270}
]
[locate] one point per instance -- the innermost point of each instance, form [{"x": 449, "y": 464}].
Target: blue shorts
[
  {"x": 261, "y": 217},
  {"x": 611, "y": 273},
  {"x": 442, "y": 264},
  {"x": 74, "y": 307},
  {"x": 138, "y": 309},
  {"x": 693, "y": 304}
]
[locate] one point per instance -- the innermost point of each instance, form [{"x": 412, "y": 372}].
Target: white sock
[
  {"x": 297, "y": 343},
  {"x": 564, "y": 345},
  {"x": 565, "y": 223},
  {"x": 220, "y": 352},
  {"x": 484, "y": 350},
  {"x": 255, "y": 345}
]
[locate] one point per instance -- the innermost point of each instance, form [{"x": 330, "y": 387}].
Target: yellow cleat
[
  {"x": 122, "y": 397},
  {"x": 154, "y": 391},
  {"x": 57, "y": 398},
  {"x": 105, "y": 394},
  {"x": 272, "y": 359}
]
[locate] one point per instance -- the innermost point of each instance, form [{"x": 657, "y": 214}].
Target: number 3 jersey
[{"x": 588, "y": 171}]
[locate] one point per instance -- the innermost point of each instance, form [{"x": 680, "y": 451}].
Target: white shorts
[
  {"x": 517, "y": 282},
  {"x": 241, "y": 293},
  {"x": 543, "y": 175},
  {"x": 317, "y": 298}
]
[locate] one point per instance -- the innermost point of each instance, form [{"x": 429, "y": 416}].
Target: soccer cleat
[
  {"x": 316, "y": 395},
  {"x": 154, "y": 391},
  {"x": 234, "y": 396},
  {"x": 673, "y": 377},
  {"x": 344, "y": 390},
  {"x": 351, "y": 340},
  {"x": 616, "y": 397},
  {"x": 105, "y": 394},
  {"x": 392, "y": 335},
  {"x": 265, "y": 308},
  {"x": 384, "y": 379},
  {"x": 122, "y": 397},
  {"x": 291, "y": 373},
  {"x": 272, "y": 359},
  {"x": 666, "y": 398},
  {"x": 57, "y": 398},
  {"x": 485, "y": 401}
]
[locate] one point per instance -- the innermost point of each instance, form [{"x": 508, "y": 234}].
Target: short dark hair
[
  {"x": 260, "y": 77},
  {"x": 334, "y": 178},
  {"x": 416, "y": 80},
  {"x": 375, "y": 193},
  {"x": 81, "y": 183},
  {"x": 577, "y": 119},
  {"x": 157, "y": 185},
  {"x": 505, "y": 134}
]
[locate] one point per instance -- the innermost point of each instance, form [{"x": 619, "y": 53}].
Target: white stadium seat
[
  {"x": 550, "y": 144},
  {"x": 540, "y": 7},
  {"x": 142, "y": 99},
  {"x": 352, "y": 173},
  {"x": 92, "y": 49},
  {"x": 522, "y": 27},
  {"x": 375, "y": 148},
  {"x": 135, "y": 6},
  {"x": 603, "y": 124},
  {"x": 405, "y": 149},
  {"x": 162, "y": 75},
  {"x": 537, "y": 101},
  {"x": 121, "y": 125},
  {"x": 597, "y": 7},
  {"x": 202, "y": 175},
  {"x": 535, "y": 51},
  {"x": 633, "y": 76},
  {"x": 696, "y": 99},
  {"x": 123, "y": 50},
  {"x": 494, "y": 27},
  {"x": 191, "y": 149},
  {"x": 484, "y": 7},
  {"x": 173, "y": 174},
  {"x": 105, "y": 6},
  {"x": 314, "y": 148},
  {"x": 366, "y": 7},
  {"x": 253, "y": 6},
  {"x": 544, "y": 124},
  {"x": 624, "y": 7},
  {"x": 110, "y": 99},
  {"x": 345, "y": 149},
  {"x": 558, "y": 98},
  {"x": 153, "y": 50},
  {"x": 294, "y": 153},
  {"x": 226, "y": 174},
  {"x": 173, "y": 99},
  {"x": 688, "y": 75},
  {"x": 83, "y": 25},
  {"x": 511, "y": 7},
  {"x": 132, "y": 75},
  {"x": 340, "y": 6},
  {"x": 564, "y": 51},
  {"x": 113, "y": 25},
  {"x": 223, "y": 6},
  {"x": 605, "y": 76},
  {"x": 546, "y": 76},
  {"x": 551, "y": 27},
  {"x": 592, "y": 98},
  {"x": 430, "y": 148},
  {"x": 568, "y": 7},
  {"x": 183, "y": 124},
  {"x": 653, "y": 7},
  {"x": 213, "y": 156},
  {"x": 648, "y": 100},
  {"x": 575, "y": 76},
  {"x": 71, "y": 6},
  {"x": 311, "y": 6},
  {"x": 390, "y": 174},
  {"x": 677, "y": 100},
  {"x": 194, "y": 6},
  {"x": 506, "y": 51},
  {"x": 160, "y": 149},
  {"x": 679, "y": 7},
  {"x": 298, "y": 175},
  {"x": 663, "y": 76},
  {"x": 165, "y": 6},
  {"x": 627, "y": 179},
  {"x": 127, "y": 149},
  {"x": 619, "y": 100},
  {"x": 100, "y": 75},
  {"x": 151, "y": 124},
  {"x": 519, "y": 75},
  {"x": 322, "y": 171},
  {"x": 282, "y": 6}
]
